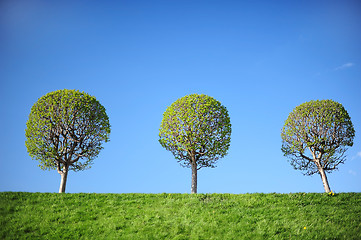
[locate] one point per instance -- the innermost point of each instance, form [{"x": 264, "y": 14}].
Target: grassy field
[{"x": 180, "y": 216}]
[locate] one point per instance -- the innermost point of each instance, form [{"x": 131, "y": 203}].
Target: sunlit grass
[{"x": 180, "y": 216}]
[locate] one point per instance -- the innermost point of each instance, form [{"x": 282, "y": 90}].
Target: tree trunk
[
  {"x": 194, "y": 178},
  {"x": 64, "y": 177},
  {"x": 324, "y": 178}
]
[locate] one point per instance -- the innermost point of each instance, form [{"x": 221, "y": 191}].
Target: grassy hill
[{"x": 180, "y": 216}]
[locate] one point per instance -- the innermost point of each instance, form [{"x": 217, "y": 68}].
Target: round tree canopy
[
  {"x": 317, "y": 130},
  {"x": 196, "y": 125},
  {"x": 66, "y": 126}
]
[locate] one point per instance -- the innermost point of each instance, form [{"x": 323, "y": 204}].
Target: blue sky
[{"x": 260, "y": 59}]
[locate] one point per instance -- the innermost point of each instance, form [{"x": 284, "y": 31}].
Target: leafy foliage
[
  {"x": 64, "y": 127},
  {"x": 196, "y": 127},
  {"x": 320, "y": 130}
]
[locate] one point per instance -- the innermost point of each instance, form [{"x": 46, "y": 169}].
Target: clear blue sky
[{"x": 260, "y": 59}]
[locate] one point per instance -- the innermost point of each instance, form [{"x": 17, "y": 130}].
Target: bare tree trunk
[
  {"x": 324, "y": 178},
  {"x": 194, "y": 178},
  {"x": 64, "y": 177}
]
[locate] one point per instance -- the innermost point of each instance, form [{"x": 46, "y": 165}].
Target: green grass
[{"x": 179, "y": 216}]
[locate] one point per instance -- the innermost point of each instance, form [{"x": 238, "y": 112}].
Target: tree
[
  {"x": 315, "y": 137},
  {"x": 197, "y": 130},
  {"x": 65, "y": 131}
]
